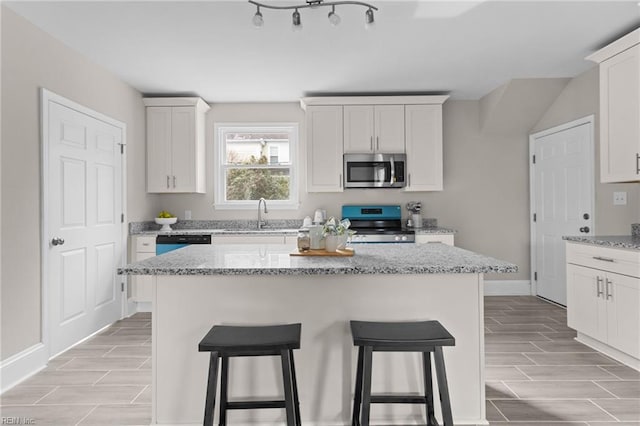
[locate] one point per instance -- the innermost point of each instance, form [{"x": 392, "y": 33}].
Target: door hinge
[
  {"x": 122, "y": 287},
  {"x": 121, "y": 148},
  {"x": 535, "y": 276},
  {"x": 534, "y": 159},
  {"x": 121, "y": 217},
  {"x": 535, "y": 217}
]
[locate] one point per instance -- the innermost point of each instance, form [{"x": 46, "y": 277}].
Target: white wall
[{"x": 31, "y": 59}]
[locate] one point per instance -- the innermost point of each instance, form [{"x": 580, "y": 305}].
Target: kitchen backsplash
[{"x": 635, "y": 229}]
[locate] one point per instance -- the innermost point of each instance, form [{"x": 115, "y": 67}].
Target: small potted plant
[{"x": 336, "y": 233}]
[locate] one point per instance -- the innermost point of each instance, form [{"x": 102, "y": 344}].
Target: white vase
[{"x": 332, "y": 242}]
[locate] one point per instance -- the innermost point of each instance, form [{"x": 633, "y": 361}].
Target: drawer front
[
  {"x": 146, "y": 244},
  {"x": 434, "y": 238},
  {"x": 620, "y": 261}
]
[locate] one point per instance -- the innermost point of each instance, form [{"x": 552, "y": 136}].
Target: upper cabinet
[
  {"x": 620, "y": 109},
  {"x": 374, "y": 124},
  {"x": 373, "y": 128},
  {"x": 176, "y": 145}
]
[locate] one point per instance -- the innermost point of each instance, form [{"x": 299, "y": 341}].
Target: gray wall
[
  {"x": 579, "y": 99},
  {"x": 31, "y": 59}
]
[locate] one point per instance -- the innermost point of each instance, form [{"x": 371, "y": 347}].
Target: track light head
[
  {"x": 334, "y": 18},
  {"x": 258, "y": 21},
  {"x": 369, "y": 18},
  {"x": 296, "y": 21}
]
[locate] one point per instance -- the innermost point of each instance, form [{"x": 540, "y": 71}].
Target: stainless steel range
[{"x": 377, "y": 224}]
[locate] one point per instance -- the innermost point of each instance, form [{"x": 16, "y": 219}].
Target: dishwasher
[{"x": 167, "y": 243}]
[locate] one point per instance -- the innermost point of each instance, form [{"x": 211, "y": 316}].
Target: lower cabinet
[
  {"x": 145, "y": 247},
  {"x": 602, "y": 304},
  {"x": 253, "y": 239},
  {"x": 435, "y": 238}
]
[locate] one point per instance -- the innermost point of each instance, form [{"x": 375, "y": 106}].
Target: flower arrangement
[{"x": 333, "y": 227}]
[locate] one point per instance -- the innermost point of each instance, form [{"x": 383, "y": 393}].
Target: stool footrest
[
  {"x": 398, "y": 399},
  {"x": 244, "y": 405}
]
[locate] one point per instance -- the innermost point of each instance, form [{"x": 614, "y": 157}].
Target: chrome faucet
[{"x": 261, "y": 222}]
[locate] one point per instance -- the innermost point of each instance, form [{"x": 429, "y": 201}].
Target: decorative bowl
[{"x": 165, "y": 222}]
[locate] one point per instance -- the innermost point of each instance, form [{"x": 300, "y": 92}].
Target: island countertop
[{"x": 274, "y": 259}]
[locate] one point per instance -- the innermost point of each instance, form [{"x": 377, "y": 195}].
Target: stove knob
[
  {"x": 397, "y": 238},
  {"x": 404, "y": 238}
]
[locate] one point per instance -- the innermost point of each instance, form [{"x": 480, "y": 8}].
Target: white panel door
[
  {"x": 358, "y": 129},
  {"x": 159, "y": 176},
  {"x": 563, "y": 199},
  {"x": 324, "y": 148},
  {"x": 84, "y": 204},
  {"x": 183, "y": 148},
  {"x": 389, "y": 128}
]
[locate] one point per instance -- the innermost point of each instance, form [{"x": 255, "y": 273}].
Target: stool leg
[
  {"x": 357, "y": 395},
  {"x": 428, "y": 388},
  {"x": 286, "y": 379},
  {"x": 212, "y": 383},
  {"x": 296, "y": 400},
  {"x": 366, "y": 384},
  {"x": 443, "y": 388},
  {"x": 224, "y": 384}
]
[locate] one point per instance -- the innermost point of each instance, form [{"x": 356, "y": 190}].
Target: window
[{"x": 256, "y": 161}]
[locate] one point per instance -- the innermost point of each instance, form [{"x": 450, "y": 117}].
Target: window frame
[{"x": 220, "y": 168}]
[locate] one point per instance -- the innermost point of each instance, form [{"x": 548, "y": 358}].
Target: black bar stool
[
  {"x": 425, "y": 337},
  {"x": 234, "y": 341}
]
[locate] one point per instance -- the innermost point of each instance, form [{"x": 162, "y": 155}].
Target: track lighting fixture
[{"x": 334, "y": 18}]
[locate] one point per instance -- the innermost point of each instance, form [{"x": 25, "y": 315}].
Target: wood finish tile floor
[
  {"x": 103, "y": 381},
  {"x": 536, "y": 374}
]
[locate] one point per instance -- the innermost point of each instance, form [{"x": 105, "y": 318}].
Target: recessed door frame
[
  {"x": 46, "y": 97},
  {"x": 590, "y": 119}
]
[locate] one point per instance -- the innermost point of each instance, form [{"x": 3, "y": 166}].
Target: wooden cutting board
[{"x": 339, "y": 253}]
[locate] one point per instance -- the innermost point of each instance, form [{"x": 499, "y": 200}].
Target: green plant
[{"x": 333, "y": 227}]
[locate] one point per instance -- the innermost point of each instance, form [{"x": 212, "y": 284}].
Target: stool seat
[
  {"x": 227, "y": 341},
  {"x": 251, "y": 339},
  {"x": 400, "y": 335}
]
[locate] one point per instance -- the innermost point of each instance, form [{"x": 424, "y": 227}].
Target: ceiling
[{"x": 211, "y": 48}]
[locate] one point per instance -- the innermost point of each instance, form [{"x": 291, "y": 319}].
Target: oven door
[{"x": 373, "y": 170}]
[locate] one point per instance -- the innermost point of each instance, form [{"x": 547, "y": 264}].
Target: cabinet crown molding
[
  {"x": 374, "y": 100},
  {"x": 612, "y": 49},
  {"x": 179, "y": 101}
]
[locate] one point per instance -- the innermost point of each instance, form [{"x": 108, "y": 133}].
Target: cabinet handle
[
  {"x": 340, "y": 179},
  {"x": 604, "y": 259},
  {"x": 409, "y": 179},
  {"x": 637, "y": 164},
  {"x": 609, "y": 294},
  {"x": 174, "y": 181},
  {"x": 168, "y": 182},
  {"x": 371, "y": 143},
  {"x": 377, "y": 143},
  {"x": 599, "y": 287}
]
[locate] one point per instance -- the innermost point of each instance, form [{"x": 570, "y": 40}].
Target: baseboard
[
  {"x": 22, "y": 365},
  {"x": 609, "y": 351},
  {"x": 507, "y": 288},
  {"x": 143, "y": 307}
]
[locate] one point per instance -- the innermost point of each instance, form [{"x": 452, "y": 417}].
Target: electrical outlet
[
  {"x": 187, "y": 215},
  {"x": 619, "y": 198}
]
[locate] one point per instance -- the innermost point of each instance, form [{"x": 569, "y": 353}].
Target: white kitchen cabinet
[
  {"x": 373, "y": 128},
  {"x": 324, "y": 148},
  {"x": 423, "y": 125},
  {"x": 620, "y": 109},
  {"x": 249, "y": 239},
  {"x": 603, "y": 299},
  {"x": 176, "y": 145},
  {"x": 145, "y": 248},
  {"x": 447, "y": 239}
]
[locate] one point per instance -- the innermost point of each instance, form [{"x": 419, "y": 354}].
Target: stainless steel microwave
[{"x": 374, "y": 170}]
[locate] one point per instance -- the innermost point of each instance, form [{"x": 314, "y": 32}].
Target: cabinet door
[
  {"x": 249, "y": 239},
  {"x": 142, "y": 284},
  {"x": 620, "y": 117},
  {"x": 586, "y": 307},
  {"x": 183, "y": 149},
  {"x": 389, "y": 129},
  {"x": 623, "y": 313},
  {"x": 324, "y": 148},
  {"x": 159, "y": 149},
  {"x": 424, "y": 147},
  {"x": 358, "y": 129}
]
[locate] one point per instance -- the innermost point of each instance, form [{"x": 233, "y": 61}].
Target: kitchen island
[{"x": 199, "y": 286}]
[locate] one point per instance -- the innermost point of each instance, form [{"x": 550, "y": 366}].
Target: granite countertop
[
  {"x": 612, "y": 241},
  {"x": 274, "y": 259}
]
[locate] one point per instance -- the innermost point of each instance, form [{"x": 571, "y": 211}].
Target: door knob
[
  {"x": 585, "y": 216},
  {"x": 57, "y": 241},
  {"x": 585, "y": 229}
]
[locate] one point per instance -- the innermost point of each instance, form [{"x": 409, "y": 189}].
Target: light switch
[
  {"x": 187, "y": 214},
  {"x": 619, "y": 198}
]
